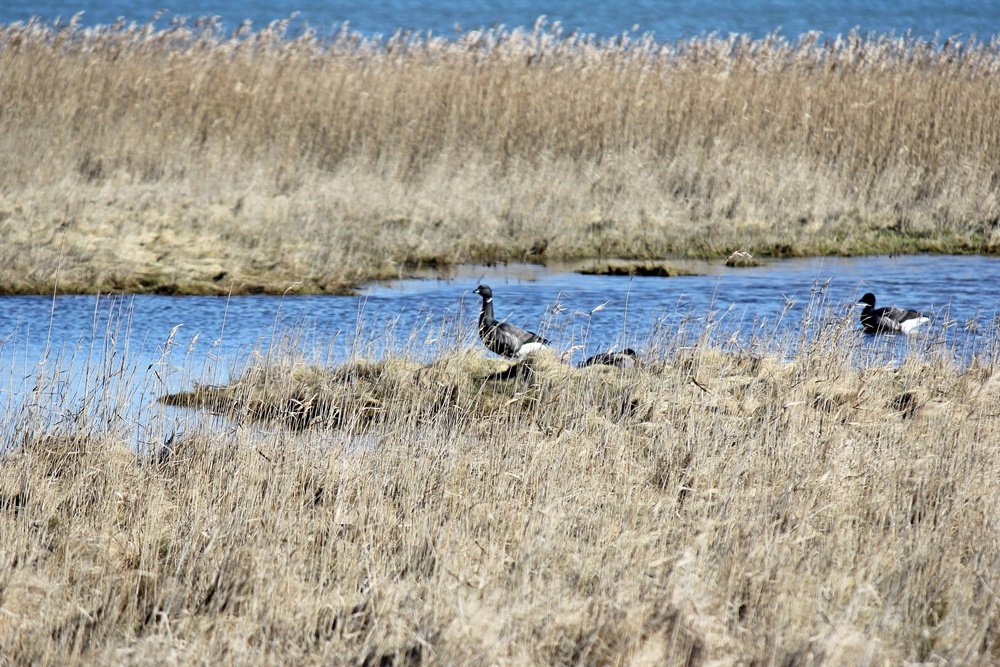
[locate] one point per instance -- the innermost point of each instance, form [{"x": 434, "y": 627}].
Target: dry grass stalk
[
  {"x": 184, "y": 159},
  {"x": 711, "y": 507}
]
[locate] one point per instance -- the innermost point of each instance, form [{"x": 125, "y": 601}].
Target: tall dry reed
[
  {"x": 712, "y": 507},
  {"x": 161, "y": 159}
]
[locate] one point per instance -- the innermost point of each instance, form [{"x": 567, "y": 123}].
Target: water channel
[{"x": 124, "y": 351}]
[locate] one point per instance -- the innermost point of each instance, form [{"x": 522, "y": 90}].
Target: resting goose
[
  {"x": 504, "y": 338},
  {"x": 627, "y": 358},
  {"x": 890, "y": 318}
]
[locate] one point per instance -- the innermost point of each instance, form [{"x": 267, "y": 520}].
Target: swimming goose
[
  {"x": 504, "y": 338},
  {"x": 888, "y": 319},
  {"x": 627, "y": 358}
]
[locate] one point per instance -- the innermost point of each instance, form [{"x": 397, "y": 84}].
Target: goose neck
[{"x": 486, "y": 316}]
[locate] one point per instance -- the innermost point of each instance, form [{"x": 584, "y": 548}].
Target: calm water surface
[
  {"x": 209, "y": 333},
  {"x": 132, "y": 349},
  {"x": 666, "y": 19}
]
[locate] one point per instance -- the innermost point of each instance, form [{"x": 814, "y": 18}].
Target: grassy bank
[
  {"x": 711, "y": 507},
  {"x": 184, "y": 160}
]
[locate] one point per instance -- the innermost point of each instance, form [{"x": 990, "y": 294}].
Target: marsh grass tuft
[
  {"x": 187, "y": 160},
  {"x": 627, "y": 268},
  {"x": 724, "y": 502},
  {"x": 742, "y": 260}
]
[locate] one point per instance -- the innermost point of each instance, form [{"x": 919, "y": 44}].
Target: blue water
[
  {"x": 211, "y": 336},
  {"x": 111, "y": 358},
  {"x": 668, "y": 20}
]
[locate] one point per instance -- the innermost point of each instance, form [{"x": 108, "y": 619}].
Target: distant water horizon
[{"x": 666, "y": 21}]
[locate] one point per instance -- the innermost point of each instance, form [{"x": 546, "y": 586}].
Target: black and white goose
[
  {"x": 504, "y": 338},
  {"x": 890, "y": 318},
  {"x": 627, "y": 358}
]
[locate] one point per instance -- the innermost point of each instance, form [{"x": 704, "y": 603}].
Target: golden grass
[
  {"x": 711, "y": 507},
  {"x": 186, "y": 160}
]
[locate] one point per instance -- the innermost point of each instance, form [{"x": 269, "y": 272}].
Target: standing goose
[
  {"x": 504, "y": 338},
  {"x": 888, "y": 319}
]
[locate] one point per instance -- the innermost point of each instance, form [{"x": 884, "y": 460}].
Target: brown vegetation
[
  {"x": 184, "y": 160},
  {"x": 711, "y": 507},
  {"x": 635, "y": 268}
]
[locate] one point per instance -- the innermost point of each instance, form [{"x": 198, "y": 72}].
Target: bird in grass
[
  {"x": 627, "y": 358},
  {"x": 504, "y": 338},
  {"x": 890, "y": 318}
]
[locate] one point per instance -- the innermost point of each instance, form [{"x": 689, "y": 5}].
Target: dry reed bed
[
  {"x": 184, "y": 159},
  {"x": 709, "y": 508}
]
